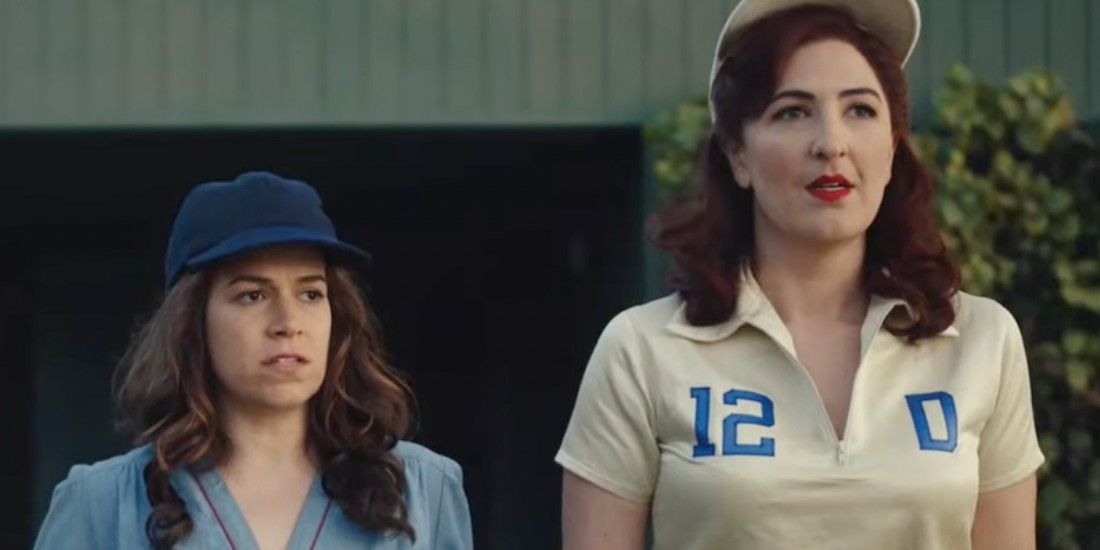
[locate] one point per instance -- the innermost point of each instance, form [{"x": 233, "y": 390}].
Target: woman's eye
[
  {"x": 250, "y": 296},
  {"x": 791, "y": 113},
  {"x": 313, "y": 295},
  {"x": 864, "y": 111}
]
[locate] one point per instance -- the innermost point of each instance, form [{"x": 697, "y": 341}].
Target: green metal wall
[{"x": 494, "y": 62}]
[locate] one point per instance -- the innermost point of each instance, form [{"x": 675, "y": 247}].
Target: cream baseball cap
[{"x": 896, "y": 22}]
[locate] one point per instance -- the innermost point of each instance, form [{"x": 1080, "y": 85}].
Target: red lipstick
[{"x": 830, "y": 187}]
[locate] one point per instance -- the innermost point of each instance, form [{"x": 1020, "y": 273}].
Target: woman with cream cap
[
  {"x": 817, "y": 379},
  {"x": 261, "y": 401}
]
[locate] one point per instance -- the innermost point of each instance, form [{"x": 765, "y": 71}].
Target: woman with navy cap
[
  {"x": 818, "y": 380},
  {"x": 261, "y": 399}
]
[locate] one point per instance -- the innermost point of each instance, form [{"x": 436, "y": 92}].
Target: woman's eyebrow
[
  {"x": 257, "y": 279},
  {"x": 249, "y": 279},
  {"x": 802, "y": 94},
  {"x": 860, "y": 91},
  {"x": 796, "y": 94}
]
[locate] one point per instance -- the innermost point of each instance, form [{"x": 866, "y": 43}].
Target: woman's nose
[
  {"x": 831, "y": 141},
  {"x": 284, "y": 321}
]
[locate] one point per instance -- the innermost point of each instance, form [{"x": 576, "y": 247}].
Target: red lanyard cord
[
  {"x": 229, "y": 539},
  {"x": 217, "y": 516}
]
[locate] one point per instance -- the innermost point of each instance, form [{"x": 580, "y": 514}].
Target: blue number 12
[{"x": 704, "y": 447}]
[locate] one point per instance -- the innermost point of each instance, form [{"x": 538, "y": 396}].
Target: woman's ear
[{"x": 741, "y": 175}]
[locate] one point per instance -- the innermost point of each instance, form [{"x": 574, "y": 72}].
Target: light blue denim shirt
[{"x": 104, "y": 506}]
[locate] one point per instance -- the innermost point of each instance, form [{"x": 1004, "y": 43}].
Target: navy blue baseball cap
[{"x": 224, "y": 218}]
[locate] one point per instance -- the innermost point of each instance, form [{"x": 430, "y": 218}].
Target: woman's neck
[
  {"x": 811, "y": 282},
  {"x": 265, "y": 442}
]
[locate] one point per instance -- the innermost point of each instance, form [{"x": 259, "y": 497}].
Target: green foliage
[
  {"x": 1019, "y": 202},
  {"x": 673, "y": 138}
]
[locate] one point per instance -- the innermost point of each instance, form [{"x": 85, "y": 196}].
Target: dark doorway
[{"x": 499, "y": 256}]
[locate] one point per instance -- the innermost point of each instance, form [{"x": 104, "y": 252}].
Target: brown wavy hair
[
  {"x": 709, "y": 232},
  {"x": 164, "y": 388}
]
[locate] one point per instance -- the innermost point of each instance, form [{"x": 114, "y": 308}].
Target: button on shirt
[
  {"x": 104, "y": 506},
  {"x": 721, "y": 429}
]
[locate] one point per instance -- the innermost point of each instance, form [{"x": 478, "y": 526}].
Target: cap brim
[
  {"x": 896, "y": 22},
  {"x": 248, "y": 241}
]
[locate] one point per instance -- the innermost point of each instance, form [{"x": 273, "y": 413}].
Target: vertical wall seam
[
  {"x": 966, "y": 6},
  {"x": 5, "y": 60},
  {"x": 162, "y": 56},
  {"x": 681, "y": 42},
  {"x": 403, "y": 57},
  {"x": 82, "y": 60},
  {"x": 321, "y": 22},
  {"x": 1006, "y": 51},
  {"x": 1047, "y": 35},
  {"x": 564, "y": 104},
  {"x": 123, "y": 51},
  {"x": 202, "y": 76},
  {"x": 481, "y": 85},
  {"x": 369, "y": 68},
  {"x": 605, "y": 55},
  {"x": 1089, "y": 108},
  {"x": 444, "y": 33},
  {"x": 648, "y": 94},
  {"x": 43, "y": 56},
  {"x": 526, "y": 85},
  {"x": 242, "y": 54},
  {"x": 486, "y": 89}
]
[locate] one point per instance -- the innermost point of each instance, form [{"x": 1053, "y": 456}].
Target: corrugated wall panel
[
  {"x": 666, "y": 77},
  {"x": 506, "y": 56},
  {"x": 384, "y": 26},
  {"x": 185, "y": 60},
  {"x": 25, "y": 58},
  {"x": 917, "y": 70},
  {"x": 1094, "y": 59},
  {"x": 345, "y": 64},
  {"x": 103, "y": 99},
  {"x": 381, "y": 62},
  {"x": 585, "y": 69},
  {"x": 143, "y": 54},
  {"x": 63, "y": 85},
  {"x": 223, "y": 57},
  {"x": 1027, "y": 35},
  {"x": 626, "y": 67},
  {"x": 545, "y": 38},
  {"x": 703, "y": 18},
  {"x": 1068, "y": 54},
  {"x": 305, "y": 68},
  {"x": 465, "y": 58},
  {"x": 264, "y": 67},
  {"x": 423, "y": 68},
  {"x": 945, "y": 39},
  {"x": 985, "y": 24}
]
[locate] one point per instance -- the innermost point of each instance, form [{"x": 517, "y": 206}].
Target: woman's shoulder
[
  {"x": 647, "y": 318},
  {"x": 108, "y": 474},
  {"x": 87, "y": 507},
  {"x": 435, "y": 497},
  {"x": 982, "y": 315},
  {"x": 420, "y": 460}
]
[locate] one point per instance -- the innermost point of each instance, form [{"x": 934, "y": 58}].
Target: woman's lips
[
  {"x": 285, "y": 361},
  {"x": 830, "y": 187},
  {"x": 830, "y": 195}
]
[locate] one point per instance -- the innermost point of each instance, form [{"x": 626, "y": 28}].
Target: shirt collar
[{"x": 753, "y": 308}]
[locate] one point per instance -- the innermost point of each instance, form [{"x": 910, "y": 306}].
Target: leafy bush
[{"x": 1019, "y": 202}]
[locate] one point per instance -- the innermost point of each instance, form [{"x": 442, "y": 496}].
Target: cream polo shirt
[{"x": 722, "y": 431}]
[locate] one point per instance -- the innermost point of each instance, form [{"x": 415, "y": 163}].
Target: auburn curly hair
[
  {"x": 164, "y": 388},
  {"x": 709, "y": 232}
]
